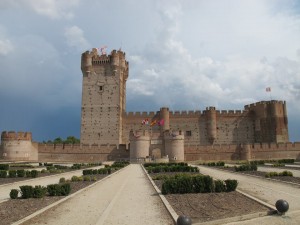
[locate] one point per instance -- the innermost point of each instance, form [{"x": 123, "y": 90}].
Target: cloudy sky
[{"x": 186, "y": 55}]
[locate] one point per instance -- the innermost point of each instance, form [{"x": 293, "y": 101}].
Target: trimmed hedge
[
  {"x": 39, "y": 191},
  {"x": 170, "y": 168},
  {"x": 59, "y": 189},
  {"x": 13, "y": 193},
  {"x": 26, "y": 191},
  {"x": 3, "y": 173},
  {"x": 283, "y": 173},
  {"x": 246, "y": 167},
  {"x": 20, "y": 173},
  {"x": 4, "y": 167},
  {"x": 181, "y": 184},
  {"x": 12, "y": 173}
]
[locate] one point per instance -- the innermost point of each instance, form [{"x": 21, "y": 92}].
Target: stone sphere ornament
[
  {"x": 282, "y": 206},
  {"x": 184, "y": 220}
]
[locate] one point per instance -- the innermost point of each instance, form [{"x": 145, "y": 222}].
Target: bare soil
[
  {"x": 204, "y": 207},
  {"x": 16, "y": 209}
]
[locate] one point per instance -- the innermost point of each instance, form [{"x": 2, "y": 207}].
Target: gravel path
[
  {"x": 296, "y": 173},
  {"x": 44, "y": 181},
  {"x": 126, "y": 198},
  {"x": 267, "y": 191}
]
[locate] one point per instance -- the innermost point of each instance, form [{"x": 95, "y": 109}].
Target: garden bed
[
  {"x": 16, "y": 209},
  {"x": 204, "y": 207},
  {"x": 263, "y": 174}
]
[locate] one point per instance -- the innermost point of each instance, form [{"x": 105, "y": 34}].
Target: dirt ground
[
  {"x": 203, "y": 207},
  {"x": 16, "y": 209}
]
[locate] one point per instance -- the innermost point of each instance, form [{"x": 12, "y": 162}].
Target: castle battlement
[
  {"x": 140, "y": 114},
  {"x": 264, "y": 103},
  {"x": 16, "y": 136},
  {"x": 186, "y": 113}
]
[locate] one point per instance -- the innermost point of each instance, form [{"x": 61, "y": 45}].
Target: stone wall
[
  {"x": 239, "y": 152},
  {"x": 81, "y": 153}
]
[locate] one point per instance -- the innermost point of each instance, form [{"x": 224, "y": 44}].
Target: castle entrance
[{"x": 156, "y": 153}]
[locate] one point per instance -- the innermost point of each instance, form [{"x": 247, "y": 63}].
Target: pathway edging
[{"x": 62, "y": 200}]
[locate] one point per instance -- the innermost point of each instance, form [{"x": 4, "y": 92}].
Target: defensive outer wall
[{"x": 19, "y": 147}]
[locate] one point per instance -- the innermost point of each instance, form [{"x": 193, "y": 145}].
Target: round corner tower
[
  {"x": 17, "y": 146},
  {"x": 139, "y": 144},
  {"x": 174, "y": 146}
]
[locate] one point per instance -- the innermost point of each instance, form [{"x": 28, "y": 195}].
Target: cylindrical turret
[
  {"x": 115, "y": 58},
  {"x": 211, "y": 124},
  {"x": 86, "y": 63},
  {"x": 174, "y": 145},
  {"x": 164, "y": 118},
  {"x": 139, "y": 145},
  {"x": 245, "y": 152},
  {"x": 17, "y": 146}
]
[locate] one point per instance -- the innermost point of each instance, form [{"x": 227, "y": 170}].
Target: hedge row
[
  {"x": 279, "y": 161},
  {"x": 164, "y": 164},
  {"x": 246, "y": 167},
  {"x": 220, "y": 163},
  {"x": 97, "y": 171},
  {"x": 4, "y": 167},
  {"x": 283, "y": 173},
  {"x": 181, "y": 184},
  {"x": 39, "y": 191},
  {"x": 172, "y": 168},
  {"x": 18, "y": 173}
]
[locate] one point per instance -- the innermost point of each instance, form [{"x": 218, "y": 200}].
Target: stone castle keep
[{"x": 108, "y": 132}]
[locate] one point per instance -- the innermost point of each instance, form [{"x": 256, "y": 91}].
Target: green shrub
[
  {"x": 39, "y": 191},
  {"x": 12, "y": 173},
  {"x": 88, "y": 172},
  {"x": 231, "y": 185},
  {"x": 199, "y": 184},
  {"x": 94, "y": 179},
  {"x": 44, "y": 171},
  {"x": 26, "y": 191},
  {"x": 14, "y": 193},
  {"x": 246, "y": 167},
  {"x": 286, "y": 173},
  {"x": 28, "y": 173},
  {"x": 75, "y": 179},
  {"x": 220, "y": 186},
  {"x": 76, "y": 167},
  {"x": 34, "y": 173},
  {"x": 286, "y": 161},
  {"x": 62, "y": 180},
  {"x": 86, "y": 178},
  {"x": 54, "y": 189},
  {"x": 65, "y": 189},
  {"x": 4, "y": 166},
  {"x": 21, "y": 173},
  {"x": 3, "y": 173}
]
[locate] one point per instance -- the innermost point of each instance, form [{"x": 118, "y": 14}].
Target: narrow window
[{"x": 188, "y": 133}]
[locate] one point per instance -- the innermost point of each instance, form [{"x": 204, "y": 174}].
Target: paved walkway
[
  {"x": 44, "y": 181},
  {"x": 267, "y": 191},
  {"x": 126, "y": 198}
]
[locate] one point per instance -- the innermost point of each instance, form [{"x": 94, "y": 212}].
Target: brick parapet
[{"x": 15, "y": 136}]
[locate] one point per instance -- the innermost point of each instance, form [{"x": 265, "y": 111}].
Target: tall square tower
[{"x": 103, "y": 97}]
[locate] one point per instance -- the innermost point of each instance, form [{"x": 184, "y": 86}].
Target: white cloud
[
  {"x": 233, "y": 77},
  {"x": 6, "y": 46},
  {"x": 54, "y": 9},
  {"x": 75, "y": 38}
]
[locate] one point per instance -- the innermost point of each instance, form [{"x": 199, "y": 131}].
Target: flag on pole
[
  {"x": 161, "y": 122},
  {"x": 145, "y": 121},
  {"x": 268, "y": 89}
]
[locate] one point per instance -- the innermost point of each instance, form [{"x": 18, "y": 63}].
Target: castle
[{"x": 108, "y": 132}]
